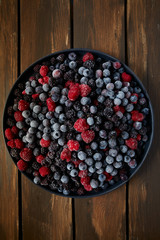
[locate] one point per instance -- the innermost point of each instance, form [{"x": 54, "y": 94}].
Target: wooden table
[{"x": 126, "y": 29}]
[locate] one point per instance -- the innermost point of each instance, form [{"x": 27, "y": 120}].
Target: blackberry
[
  {"x": 89, "y": 152},
  {"x": 143, "y": 131},
  {"x": 108, "y": 125},
  {"x": 53, "y": 146},
  {"x": 98, "y": 120},
  {"x": 10, "y": 122},
  {"x": 108, "y": 103},
  {"x": 37, "y": 68},
  {"x": 123, "y": 127},
  {"x": 44, "y": 151},
  {"x": 36, "y": 166},
  {"x": 29, "y": 170},
  {"x": 53, "y": 60},
  {"x": 112, "y": 134},
  {"x": 48, "y": 160},
  {"x": 63, "y": 166},
  {"x": 21, "y": 86},
  {"x": 80, "y": 191},
  {"x": 85, "y": 109},
  {"x": 69, "y": 75},
  {"x": 79, "y": 62},
  {"x": 63, "y": 67},
  {"x": 28, "y": 98},
  {"x": 89, "y": 64},
  {"x": 51, "y": 82},
  {"x": 60, "y": 58},
  {"x": 37, "y": 76},
  {"x": 18, "y": 92},
  {"x": 77, "y": 106},
  {"x": 53, "y": 168},
  {"x": 70, "y": 114},
  {"x": 77, "y": 78},
  {"x": 44, "y": 182},
  {"x": 17, "y": 99},
  {"x": 70, "y": 135},
  {"x": 91, "y": 83},
  {"x": 133, "y": 134},
  {"x": 51, "y": 155},
  {"x": 93, "y": 94},
  {"x": 14, "y": 153},
  {"x": 53, "y": 185},
  {"x": 108, "y": 112},
  {"x": 31, "y": 145},
  {"x": 10, "y": 110}
]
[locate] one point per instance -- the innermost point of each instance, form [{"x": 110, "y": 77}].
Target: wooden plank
[
  {"x": 100, "y": 25},
  {"x": 9, "y": 219},
  {"x": 143, "y": 33},
  {"x": 45, "y": 28}
]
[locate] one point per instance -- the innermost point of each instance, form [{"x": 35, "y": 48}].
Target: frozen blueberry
[
  {"x": 102, "y": 144},
  {"x": 90, "y": 121},
  {"x": 84, "y": 80},
  {"x": 106, "y": 73},
  {"x": 36, "y": 180},
  {"x": 106, "y": 65},
  {"x": 61, "y": 141},
  {"x": 125, "y": 135},
  {"x": 97, "y": 156},
  {"x": 78, "y": 137},
  {"x": 102, "y": 177},
  {"x": 120, "y": 95},
  {"x": 85, "y": 100},
  {"x": 72, "y": 56},
  {"x": 26, "y": 113},
  {"x": 113, "y": 152},
  {"x": 103, "y": 134},
  {"x": 56, "y": 126},
  {"x": 118, "y": 84},
  {"x": 86, "y": 72},
  {"x": 91, "y": 169},
  {"x": 74, "y": 173},
  {"x": 99, "y": 83},
  {"x": 94, "y": 183},
  {"x": 101, "y": 99},
  {"x": 64, "y": 179},
  {"x": 117, "y": 101},
  {"x": 98, "y": 165},
  {"x": 81, "y": 70},
  {"x": 63, "y": 99},
  {"x": 66, "y": 192},
  {"x": 46, "y": 136},
  {"x": 63, "y": 128},
  {"x": 117, "y": 164},
  {"x": 123, "y": 148},
  {"x": 34, "y": 83},
  {"x": 94, "y": 145},
  {"x": 30, "y": 138},
  {"x": 82, "y": 166},
  {"x": 114, "y": 173},
  {"x": 46, "y": 122},
  {"x": 29, "y": 90},
  {"x": 34, "y": 124},
  {"x": 56, "y": 134},
  {"x": 110, "y": 86},
  {"x": 82, "y": 155},
  {"x": 129, "y": 107},
  {"x": 49, "y": 115},
  {"x": 39, "y": 89},
  {"x": 106, "y": 80},
  {"x": 62, "y": 117},
  {"x": 55, "y": 97},
  {"x": 131, "y": 153},
  {"x": 32, "y": 130},
  {"x": 109, "y": 159},
  {"x": 57, "y": 176},
  {"x": 145, "y": 111},
  {"x": 127, "y": 159},
  {"x": 36, "y": 109},
  {"x": 45, "y": 87},
  {"x": 36, "y": 152},
  {"x": 70, "y": 166},
  {"x": 124, "y": 102},
  {"x": 119, "y": 158},
  {"x": 109, "y": 168},
  {"x": 72, "y": 64},
  {"x": 137, "y": 125},
  {"x": 112, "y": 142},
  {"x": 43, "y": 97},
  {"x": 64, "y": 91},
  {"x": 132, "y": 163},
  {"x": 89, "y": 161}
]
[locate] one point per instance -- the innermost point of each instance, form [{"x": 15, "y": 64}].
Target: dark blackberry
[
  {"x": 70, "y": 114},
  {"x": 14, "y": 153},
  {"x": 93, "y": 94},
  {"x": 27, "y": 98},
  {"x": 91, "y": 83},
  {"x": 117, "y": 123},
  {"x": 108, "y": 103},
  {"x": 51, "y": 82},
  {"x": 77, "y": 106},
  {"x": 89, "y": 64},
  {"x": 29, "y": 170},
  {"x": 49, "y": 74},
  {"x": 143, "y": 131},
  {"x": 95, "y": 175},
  {"x": 98, "y": 120},
  {"x": 70, "y": 135},
  {"x": 95, "y": 128},
  {"x": 21, "y": 86},
  {"x": 63, "y": 166},
  {"x": 36, "y": 166},
  {"x": 10, "y": 110},
  {"x": 79, "y": 62},
  {"x": 108, "y": 112},
  {"x": 44, "y": 182},
  {"x": 44, "y": 151},
  {"x": 80, "y": 191},
  {"x": 69, "y": 75},
  {"x": 133, "y": 133},
  {"x": 77, "y": 78},
  {"x": 74, "y": 189},
  {"x": 53, "y": 185},
  {"x": 89, "y": 152},
  {"x": 18, "y": 92},
  {"x": 48, "y": 160},
  {"x": 51, "y": 155},
  {"x": 37, "y": 68},
  {"x": 108, "y": 125},
  {"x": 37, "y": 75},
  {"x": 31, "y": 145},
  {"x": 10, "y": 122},
  {"x": 112, "y": 134},
  {"x": 60, "y": 58},
  {"x": 115, "y": 118},
  {"x": 53, "y": 60},
  {"x": 53, "y": 146},
  {"x": 85, "y": 109},
  {"x": 46, "y": 63},
  {"x": 17, "y": 99},
  {"x": 63, "y": 67},
  {"x": 123, "y": 127},
  {"x": 53, "y": 168}
]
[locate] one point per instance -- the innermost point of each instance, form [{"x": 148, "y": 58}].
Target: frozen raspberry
[
  {"x": 84, "y": 90},
  {"x": 11, "y": 143},
  {"x": 23, "y": 92},
  {"x": 22, "y": 166},
  {"x": 18, "y": 143},
  {"x": 66, "y": 154},
  {"x": 14, "y": 130},
  {"x": 26, "y": 154},
  {"x": 83, "y": 173},
  {"x": 88, "y": 56},
  {"x": 139, "y": 137},
  {"x": 74, "y": 92},
  {"x": 81, "y": 125},
  {"x": 118, "y": 131},
  {"x": 108, "y": 176},
  {"x": 45, "y": 143},
  {"x": 85, "y": 180},
  {"x": 77, "y": 162},
  {"x": 73, "y": 145},
  {"x": 9, "y": 134},
  {"x": 119, "y": 108},
  {"x": 69, "y": 84},
  {"x": 88, "y": 136},
  {"x": 45, "y": 79},
  {"x": 34, "y": 96},
  {"x": 116, "y": 65},
  {"x": 44, "y": 171},
  {"x": 43, "y": 71},
  {"x": 18, "y": 116},
  {"x": 126, "y": 77},
  {"x": 88, "y": 187},
  {"x": 137, "y": 116},
  {"x": 23, "y": 105},
  {"x": 39, "y": 158},
  {"x": 50, "y": 104},
  {"x": 40, "y": 80},
  {"x": 132, "y": 143}
]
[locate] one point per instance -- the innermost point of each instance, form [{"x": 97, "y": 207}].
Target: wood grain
[
  {"x": 144, "y": 57},
  {"x": 9, "y": 221},
  {"x": 45, "y": 28},
  {"x": 100, "y": 25}
]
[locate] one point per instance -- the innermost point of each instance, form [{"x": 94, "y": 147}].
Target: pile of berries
[{"x": 78, "y": 124}]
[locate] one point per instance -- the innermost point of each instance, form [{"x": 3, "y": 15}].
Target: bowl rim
[{"x": 127, "y": 69}]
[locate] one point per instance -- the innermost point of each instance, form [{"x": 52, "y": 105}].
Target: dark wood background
[{"x": 126, "y": 29}]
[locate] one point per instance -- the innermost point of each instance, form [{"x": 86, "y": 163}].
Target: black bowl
[{"x": 28, "y": 72}]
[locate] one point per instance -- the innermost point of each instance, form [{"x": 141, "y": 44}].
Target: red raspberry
[
  {"x": 139, "y": 137},
  {"x": 73, "y": 145},
  {"x": 88, "y": 136},
  {"x": 11, "y": 143},
  {"x": 88, "y": 56},
  {"x": 83, "y": 173},
  {"x": 85, "y": 180},
  {"x": 69, "y": 84},
  {"x": 43, "y": 71},
  {"x": 88, "y": 187},
  {"x": 76, "y": 163},
  {"x": 132, "y": 143},
  {"x": 40, "y": 158},
  {"x": 116, "y": 65},
  {"x": 74, "y": 92},
  {"x": 119, "y": 108},
  {"x": 34, "y": 96},
  {"x": 14, "y": 130},
  {"x": 18, "y": 116},
  {"x": 23, "y": 105},
  {"x": 45, "y": 143},
  {"x": 137, "y": 116},
  {"x": 18, "y": 143},
  {"x": 108, "y": 176},
  {"x": 84, "y": 90},
  {"x": 66, "y": 154},
  {"x": 50, "y": 104},
  {"x": 26, "y": 154},
  {"x": 24, "y": 92},
  {"x": 46, "y": 79},
  {"x": 32, "y": 78},
  {"x": 9, "y": 134},
  {"x": 95, "y": 102},
  {"x": 44, "y": 171},
  {"x": 22, "y": 166},
  {"x": 126, "y": 77},
  {"x": 118, "y": 131},
  {"x": 81, "y": 125},
  {"x": 40, "y": 80}
]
